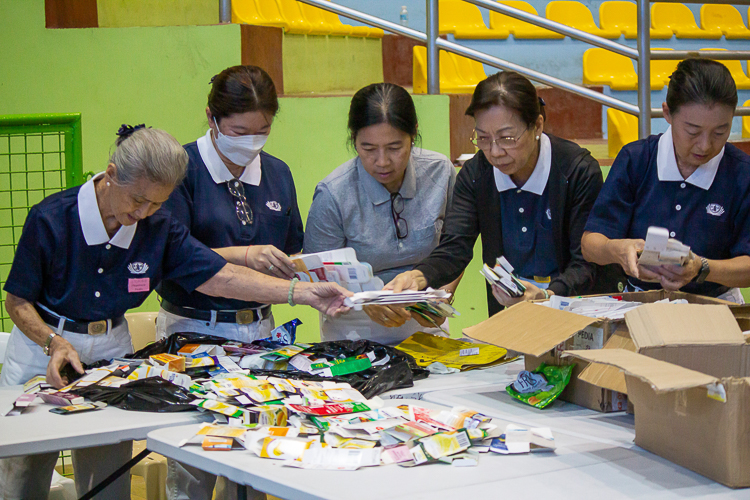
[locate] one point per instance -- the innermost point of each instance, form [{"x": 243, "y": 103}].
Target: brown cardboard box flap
[
  {"x": 656, "y": 325},
  {"x": 608, "y": 376},
  {"x": 529, "y": 328},
  {"x": 662, "y": 376}
]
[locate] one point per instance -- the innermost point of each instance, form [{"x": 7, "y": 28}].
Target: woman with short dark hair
[
  {"x": 238, "y": 200},
  {"x": 688, "y": 180},
  {"x": 388, "y": 204},
  {"x": 526, "y": 192}
]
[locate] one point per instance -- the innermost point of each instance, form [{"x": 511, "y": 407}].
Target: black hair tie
[
  {"x": 541, "y": 102},
  {"x": 126, "y": 131}
]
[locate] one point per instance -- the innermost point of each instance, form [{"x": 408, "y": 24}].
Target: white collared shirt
[
  {"x": 92, "y": 224},
  {"x": 219, "y": 171},
  {"x": 538, "y": 179},
  {"x": 667, "y": 169}
]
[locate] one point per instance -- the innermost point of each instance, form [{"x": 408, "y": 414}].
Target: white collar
[
  {"x": 666, "y": 165},
  {"x": 219, "y": 171},
  {"x": 538, "y": 180},
  {"x": 92, "y": 225}
]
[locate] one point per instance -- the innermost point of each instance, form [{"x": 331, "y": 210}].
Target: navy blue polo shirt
[
  {"x": 526, "y": 220},
  {"x": 66, "y": 262},
  {"x": 205, "y": 206},
  {"x": 709, "y": 211}
]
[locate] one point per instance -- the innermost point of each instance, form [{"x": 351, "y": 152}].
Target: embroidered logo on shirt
[
  {"x": 714, "y": 209},
  {"x": 138, "y": 267},
  {"x": 274, "y": 205},
  {"x": 549, "y": 214}
]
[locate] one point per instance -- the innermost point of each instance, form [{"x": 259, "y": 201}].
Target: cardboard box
[
  {"x": 693, "y": 419},
  {"x": 542, "y": 334}
]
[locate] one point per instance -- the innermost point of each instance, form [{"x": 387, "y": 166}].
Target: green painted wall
[
  {"x": 124, "y": 13},
  {"x": 319, "y": 64}
]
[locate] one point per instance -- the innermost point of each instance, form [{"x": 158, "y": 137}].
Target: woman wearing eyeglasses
[
  {"x": 238, "y": 200},
  {"x": 388, "y": 204},
  {"x": 241, "y": 202},
  {"x": 526, "y": 192}
]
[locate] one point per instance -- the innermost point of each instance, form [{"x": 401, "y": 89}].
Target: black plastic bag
[
  {"x": 151, "y": 394},
  {"x": 174, "y": 343},
  {"x": 399, "y": 371}
]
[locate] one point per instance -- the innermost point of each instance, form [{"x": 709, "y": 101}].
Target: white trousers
[
  {"x": 30, "y": 477},
  {"x": 183, "y": 481}
]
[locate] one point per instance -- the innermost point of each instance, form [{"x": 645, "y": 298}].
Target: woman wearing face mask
[
  {"x": 688, "y": 180},
  {"x": 239, "y": 201},
  {"x": 388, "y": 204},
  {"x": 526, "y": 192}
]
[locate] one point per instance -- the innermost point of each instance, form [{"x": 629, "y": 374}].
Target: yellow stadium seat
[
  {"x": 464, "y": 20},
  {"x": 337, "y": 27},
  {"x": 451, "y": 81},
  {"x": 469, "y": 70},
  {"x": 738, "y": 74},
  {"x": 246, "y": 12},
  {"x": 623, "y": 16},
  {"x": 679, "y": 18},
  {"x": 577, "y": 15},
  {"x": 746, "y": 123},
  {"x": 604, "y": 67},
  {"x": 724, "y": 18},
  {"x": 663, "y": 68},
  {"x": 622, "y": 128},
  {"x": 518, "y": 28},
  {"x": 290, "y": 11},
  {"x": 271, "y": 14}
]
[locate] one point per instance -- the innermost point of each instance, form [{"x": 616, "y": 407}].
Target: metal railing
[{"x": 643, "y": 54}]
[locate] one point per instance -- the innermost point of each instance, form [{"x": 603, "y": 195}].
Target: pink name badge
[{"x": 138, "y": 285}]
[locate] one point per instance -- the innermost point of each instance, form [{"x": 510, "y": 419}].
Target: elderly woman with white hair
[{"x": 86, "y": 256}]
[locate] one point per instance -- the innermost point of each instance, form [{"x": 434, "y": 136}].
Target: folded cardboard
[
  {"x": 542, "y": 333},
  {"x": 691, "y": 418}
]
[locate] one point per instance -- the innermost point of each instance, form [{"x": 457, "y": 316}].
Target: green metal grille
[{"x": 39, "y": 155}]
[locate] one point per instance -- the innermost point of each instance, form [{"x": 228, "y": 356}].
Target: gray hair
[{"x": 152, "y": 154}]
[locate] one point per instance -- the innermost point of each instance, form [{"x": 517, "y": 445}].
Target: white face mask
[{"x": 242, "y": 149}]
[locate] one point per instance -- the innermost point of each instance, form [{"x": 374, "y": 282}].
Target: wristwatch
[
  {"x": 703, "y": 273},
  {"x": 48, "y": 343}
]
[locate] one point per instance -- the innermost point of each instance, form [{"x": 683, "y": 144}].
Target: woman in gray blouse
[{"x": 388, "y": 203}]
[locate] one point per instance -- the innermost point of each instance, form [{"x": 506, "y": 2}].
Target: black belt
[
  {"x": 241, "y": 317},
  {"x": 87, "y": 327}
]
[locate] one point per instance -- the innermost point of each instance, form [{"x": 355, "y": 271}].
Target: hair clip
[
  {"x": 126, "y": 131},
  {"x": 541, "y": 102},
  {"x": 212, "y": 79}
]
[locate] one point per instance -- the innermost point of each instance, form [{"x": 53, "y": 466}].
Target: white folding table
[{"x": 580, "y": 468}]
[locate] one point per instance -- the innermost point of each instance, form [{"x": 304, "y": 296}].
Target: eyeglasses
[
  {"x": 397, "y": 206},
  {"x": 241, "y": 207},
  {"x": 502, "y": 142}
]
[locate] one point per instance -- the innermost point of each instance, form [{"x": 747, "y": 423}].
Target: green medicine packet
[{"x": 553, "y": 381}]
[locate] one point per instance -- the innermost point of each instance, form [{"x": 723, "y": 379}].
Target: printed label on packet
[{"x": 139, "y": 285}]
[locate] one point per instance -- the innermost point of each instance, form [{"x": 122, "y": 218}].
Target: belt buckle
[
  {"x": 97, "y": 327},
  {"x": 245, "y": 317}
]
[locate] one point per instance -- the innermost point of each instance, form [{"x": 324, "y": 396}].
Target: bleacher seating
[
  {"x": 578, "y": 16},
  {"x": 624, "y": 17},
  {"x": 604, "y": 67},
  {"x": 724, "y": 18},
  {"x": 296, "y": 18},
  {"x": 464, "y": 20},
  {"x": 622, "y": 128},
  {"x": 518, "y": 28},
  {"x": 458, "y": 74},
  {"x": 679, "y": 18},
  {"x": 746, "y": 122},
  {"x": 663, "y": 68},
  {"x": 735, "y": 68}
]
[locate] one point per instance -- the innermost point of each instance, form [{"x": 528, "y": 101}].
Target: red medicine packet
[{"x": 334, "y": 409}]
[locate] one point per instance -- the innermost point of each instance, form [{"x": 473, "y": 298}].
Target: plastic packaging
[
  {"x": 555, "y": 380},
  {"x": 286, "y": 333},
  {"x": 152, "y": 394}
]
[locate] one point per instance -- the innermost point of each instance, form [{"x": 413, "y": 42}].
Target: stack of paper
[
  {"x": 387, "y": 297},
  {"x": 502, "y": 276},
  {"x": 604, "y": 307},
  {"x": 337, "y": 266},
  {"x": 660, "y": 249}
]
